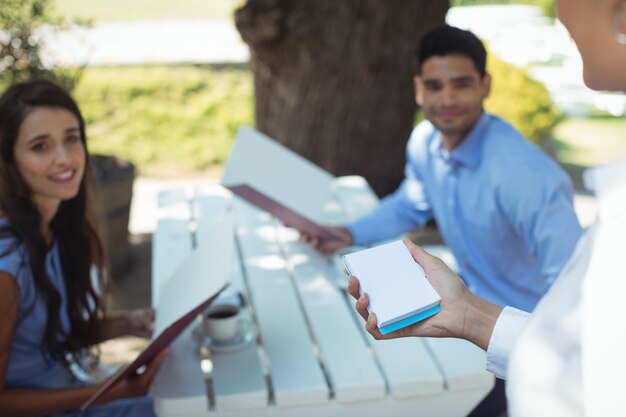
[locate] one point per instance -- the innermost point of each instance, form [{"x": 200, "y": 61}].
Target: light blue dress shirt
[
  {"x": 29, "y": 365},
  {"x": 502, "y": 206}
]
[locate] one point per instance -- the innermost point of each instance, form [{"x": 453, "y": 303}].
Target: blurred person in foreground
[{"x": 567, "y": 357}]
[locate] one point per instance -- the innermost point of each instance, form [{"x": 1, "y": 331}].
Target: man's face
[{"x": 451, "y": 93}]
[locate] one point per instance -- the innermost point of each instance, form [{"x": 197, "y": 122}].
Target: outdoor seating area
[
  {"x": 252, "y": 208},
  {"x": 310, "y": 348}
]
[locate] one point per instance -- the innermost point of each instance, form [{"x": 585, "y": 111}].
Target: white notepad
[{"x": 397, "y": 287}]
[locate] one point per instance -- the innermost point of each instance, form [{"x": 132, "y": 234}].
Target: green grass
[
  {"x": 181, "y": 120},
  {"x": 581, "y": 143},
  {"x": 103, "y": 10},
  {"x": 168, "y": 120}
]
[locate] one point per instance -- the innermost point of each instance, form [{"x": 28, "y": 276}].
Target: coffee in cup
[{"x": 221, "y": 322}]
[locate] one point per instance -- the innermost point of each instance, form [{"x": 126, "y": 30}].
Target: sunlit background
[{"x": 166, "y": 84}]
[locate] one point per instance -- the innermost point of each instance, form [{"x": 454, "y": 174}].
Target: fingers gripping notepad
[{"x": 397, "y": 287}]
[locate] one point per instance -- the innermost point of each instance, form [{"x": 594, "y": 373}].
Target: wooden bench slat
[
  {"x": 238, "y": 376},
  {"x": 407, "y": 365},
  {"x": 339, "y": 340},
  {"x": 179, "y": 387},
  {"x": 355, "y": 196},
  {"x": 463, "y": 363},
  {"x": 171, "y": 244},
  {"x": 295, "y": 372}
]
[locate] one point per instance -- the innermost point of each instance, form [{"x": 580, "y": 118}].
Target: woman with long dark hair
[{"x": 52, "y": 264}]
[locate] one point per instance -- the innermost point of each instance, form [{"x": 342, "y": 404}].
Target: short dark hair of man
[{"x": 448, "y": 40}]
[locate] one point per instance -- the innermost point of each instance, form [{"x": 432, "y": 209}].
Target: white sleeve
[{"x": 505, "y": 333}]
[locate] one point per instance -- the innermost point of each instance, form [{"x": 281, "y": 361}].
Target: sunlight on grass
[
  {"x": 178, "y": 120},
  {"x": 105, "y": 10},
  {"x": 581, "y": 143},
  {"x": 588, "y": 142}
]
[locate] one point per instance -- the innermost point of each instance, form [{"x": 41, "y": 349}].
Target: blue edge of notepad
[{"x": 410, "y": 320}]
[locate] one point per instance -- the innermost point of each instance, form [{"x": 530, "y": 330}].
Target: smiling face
[
  {"x": 451, "y": 92},
  {"x": 50, "y": 156}
]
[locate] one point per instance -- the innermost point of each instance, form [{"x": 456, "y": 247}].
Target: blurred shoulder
[
  {"x": 513, "y": 156},
  {"x": 421, "y": 136}
]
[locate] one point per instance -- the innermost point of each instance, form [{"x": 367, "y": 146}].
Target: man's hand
[
  {"x": 447, "y": 323},
  {"x": 329, "y": 246},
  {"x": 463, "y": 314}
]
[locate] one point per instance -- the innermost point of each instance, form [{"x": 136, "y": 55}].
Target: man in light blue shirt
[{"x": 502, "y": 206}]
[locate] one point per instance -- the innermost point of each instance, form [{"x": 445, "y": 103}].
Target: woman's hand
[
  {"x": 136, "y": 385},
  {"x": 463, "y": 315},
  {"x": 140, "y": 322}
]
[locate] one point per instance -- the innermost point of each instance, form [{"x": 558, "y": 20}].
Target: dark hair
[
  {"x": 448, "y": 40},
  {"x": 73, "y": 227}
]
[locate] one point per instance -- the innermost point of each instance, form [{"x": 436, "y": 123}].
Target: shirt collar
[{"x": 468, "y": 153}]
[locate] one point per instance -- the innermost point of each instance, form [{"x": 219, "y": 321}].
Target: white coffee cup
[{"x": 221, "y": 322}]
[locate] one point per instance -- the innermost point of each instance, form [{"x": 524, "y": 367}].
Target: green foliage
[
  {"x": 546, "y": 5},
  {"x": 103, "y": 10},
  {"x": 20, "y": 48},
  {"x": 522, "y": 101},
  {"x": 168, "y": 120}
]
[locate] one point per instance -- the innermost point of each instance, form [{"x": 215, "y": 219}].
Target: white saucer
[{"x": 246, "y": 334}]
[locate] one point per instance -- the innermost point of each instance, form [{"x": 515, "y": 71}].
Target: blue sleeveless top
[{"x": 29, "y": 365}]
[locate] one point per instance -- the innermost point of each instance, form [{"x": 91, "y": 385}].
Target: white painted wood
[
  {"x": 173, "y": 196},
  {"x": 238, "y": 376},
  {"x": 352, "y": 373},
  {"x": 204, "y": 270},
  {"x": 171, "y": 242},
  {"x": 355, "y": 196},
  {"x": 455, "y": 404},
  {"x": 179, "y": 387},
  {"x": 463, "y": 364},
  {"x": 295, "y": 373},
  {"x": 406, "y": 363},
  {"x": 238, "y": 380},
  {"x": 288, "y": 295},
  {"x": 271, "y": 168}
]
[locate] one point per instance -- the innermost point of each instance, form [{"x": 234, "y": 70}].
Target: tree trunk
[{"x": 333, "y": 79}]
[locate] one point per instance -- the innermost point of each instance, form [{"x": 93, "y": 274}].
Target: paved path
[
  {"x": 147, "y": 42},
  {"x": 517, "y": 33}
]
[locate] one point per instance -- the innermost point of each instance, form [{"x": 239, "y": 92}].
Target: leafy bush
[
  {"x": 546, "y": 5},
  {"x": 20, "y": 47},
  {"x": 168, "y": 120},
  {"x": 522, "y": 101}
]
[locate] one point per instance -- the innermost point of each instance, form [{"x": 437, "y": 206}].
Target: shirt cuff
[
  {"x": 355, "y": 228},
  {"x": 505, "y": 333}
]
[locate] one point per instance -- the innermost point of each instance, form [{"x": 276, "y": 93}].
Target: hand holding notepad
[{"x": 397, "y": 287}]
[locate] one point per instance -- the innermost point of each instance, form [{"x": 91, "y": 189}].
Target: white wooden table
[{"x": 312, "y": 356}]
